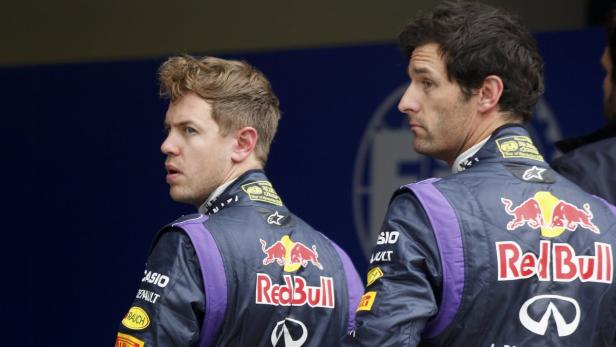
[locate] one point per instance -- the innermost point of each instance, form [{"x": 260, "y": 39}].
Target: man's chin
[
  {"x": 421, "y": 147},
  {"x": 183, "y": 198}
]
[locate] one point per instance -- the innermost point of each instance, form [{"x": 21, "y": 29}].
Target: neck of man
[
  {"x": 236, "y": 170},
  {"x": 480, "y": 131}
]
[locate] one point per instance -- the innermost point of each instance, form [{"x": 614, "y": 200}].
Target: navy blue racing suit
[
  {"x": 589, "y": 161},
  {"x": 505, "y": 253},
  {"x": 247, "y": 273}
]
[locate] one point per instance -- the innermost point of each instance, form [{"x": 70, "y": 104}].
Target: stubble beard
[
  {"x": 187, "y": 194},
  {"x": 441, "y": 141}
]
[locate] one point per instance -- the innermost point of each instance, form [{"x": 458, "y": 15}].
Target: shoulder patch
[
  {"x": 136, "y": 319},
  {"x": 125, "y": 340},
  {"x": 366, "y": 301},
  {"x": 262, "y": 191},
  {"x": 374, "y": 275},
  {"x": 518, "y": 147}
]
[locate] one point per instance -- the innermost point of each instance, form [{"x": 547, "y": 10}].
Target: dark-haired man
[
  {"x": 590, "y": 160},
  {"x": 504, "y": 252}
]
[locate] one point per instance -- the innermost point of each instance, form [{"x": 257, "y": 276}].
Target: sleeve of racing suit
[
  {"x": 403, "y": 281},
  {"x": 168, "y": 309}
]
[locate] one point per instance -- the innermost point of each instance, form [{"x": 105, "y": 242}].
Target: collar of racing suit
[
  {"x": 215, "y": 194},
  {"x": 509, "y": 144},
  {"x": 239, "y": 189},
  {"x": 465, "y": 159}
]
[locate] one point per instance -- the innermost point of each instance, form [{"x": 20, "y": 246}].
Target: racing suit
[
  {"x": 590, "y": 160},
  {"x": 505, "y": 253},
  {"x": 246, "y": 273}
]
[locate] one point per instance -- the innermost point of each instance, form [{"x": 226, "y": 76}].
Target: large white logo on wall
[{"x": 386, "y": 160}]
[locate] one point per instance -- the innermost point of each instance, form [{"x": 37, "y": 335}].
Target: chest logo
[
  {"x": 292, "y": 332},
  {"x": 551, "y": 305},
  {"x": 550, "y": 214},
  {"x": 292, "y": 255}
]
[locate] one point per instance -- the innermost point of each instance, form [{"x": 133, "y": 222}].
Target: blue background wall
[{"x": 85, "y": 176}]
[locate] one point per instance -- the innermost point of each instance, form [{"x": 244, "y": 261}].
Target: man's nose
[
  {"x": 408, "y": 103},
  {"x": 169, "y": 147}
]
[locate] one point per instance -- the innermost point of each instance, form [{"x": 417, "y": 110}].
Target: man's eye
[
  {"x": 427, "y": 84},
  {"x": 190, "y": 130}
]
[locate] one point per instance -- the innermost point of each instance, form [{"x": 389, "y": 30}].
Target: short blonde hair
[{"x": 239, "y": 94}]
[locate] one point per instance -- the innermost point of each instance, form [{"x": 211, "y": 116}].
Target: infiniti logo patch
[
  {"x": 537, "y": 312},
  {"x": 291, "y": 332}
]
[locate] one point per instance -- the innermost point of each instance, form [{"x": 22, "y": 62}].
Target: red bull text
[
  {"x": 294, "y": 292},
  {"x": 556, "y": 262}
]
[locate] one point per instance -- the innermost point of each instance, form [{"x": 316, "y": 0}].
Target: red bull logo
[
  {"x": 556, "y": 262},
  {"x": 291, "y": 255},
  {"x": 294, "y": 292},
  {"x": 550, "y": 214}
]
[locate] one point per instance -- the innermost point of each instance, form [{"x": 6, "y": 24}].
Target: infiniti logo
[
  {"x": 289, "y": 328},
  {"x": 540, "y": 327}
]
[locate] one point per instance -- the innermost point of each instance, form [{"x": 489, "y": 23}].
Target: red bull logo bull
[
  {"x": 295, "y": 290},
  {"x": 550, "y": 214},
  {"x": 291, "y": 255}
]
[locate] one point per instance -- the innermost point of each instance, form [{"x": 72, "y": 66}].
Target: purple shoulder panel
[
  {"x": 449, "y": 240},
  {"x": 214, "y": 278},
  {"x": 355, "y": 287}
]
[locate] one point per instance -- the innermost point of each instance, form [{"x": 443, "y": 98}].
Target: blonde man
[{"x": 245, "y": 271}]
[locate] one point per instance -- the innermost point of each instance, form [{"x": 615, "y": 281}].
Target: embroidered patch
[
  {"x": 533, "y": 174},
  {"x": 518, "y": 147},
  {"x": 136, "y": 319},
  {"x": 262, "y": 191},
  {"x": 548, "y": 213},
  {"x": 124, "y": 340},
  {"x": 366, "y": 301},
  {"x": 374, "y": 275},
  {"x": 292, "y": 255}
]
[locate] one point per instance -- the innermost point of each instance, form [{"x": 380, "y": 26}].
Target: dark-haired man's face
[
  {"x": 609, "y": 94},
  {"x": 440, "y": 118}
]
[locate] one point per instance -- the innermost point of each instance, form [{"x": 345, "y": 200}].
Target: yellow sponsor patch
[
  {"x": 136, "y": 319},
  {"x": 128, "y": 341},
  {"x": 365, "y": 304},
  {"x": 262, "y": 191},
  {"x": 374, "y": 275},
  {"x": 518, "y": 147}
]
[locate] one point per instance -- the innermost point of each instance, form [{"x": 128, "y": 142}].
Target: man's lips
[
  {"x": 172, "y": 173},
  {"x": 415, "y": 125}
]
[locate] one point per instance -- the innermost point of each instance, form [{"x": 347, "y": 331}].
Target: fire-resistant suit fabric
[
  {"x": 247, "y": 273},
  {"x": 505, "y": 253}
]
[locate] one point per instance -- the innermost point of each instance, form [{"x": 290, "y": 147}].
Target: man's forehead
[{"x": 426, "y": 58}]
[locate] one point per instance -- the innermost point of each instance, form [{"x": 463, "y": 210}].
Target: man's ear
[
  {"x": 245, "y": 141},
  {"x": 490, "y": 93}
]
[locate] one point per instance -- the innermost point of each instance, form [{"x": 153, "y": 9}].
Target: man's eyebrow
[
  {"x": 178, "y": 124},
  {"x": 421, "y": 71}
]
